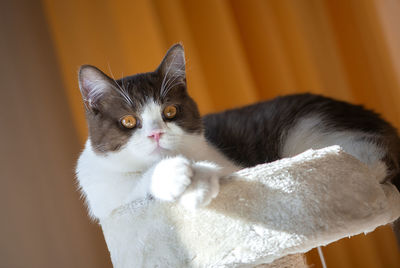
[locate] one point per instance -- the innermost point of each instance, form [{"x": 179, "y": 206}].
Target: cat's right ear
[{"x": 93, "y": 84}]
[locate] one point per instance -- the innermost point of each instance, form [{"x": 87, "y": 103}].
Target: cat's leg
[
  {"x": 313, "y": 133},
  {"x": 204, "y": 186},
  {"x": 169, "y": 178},
  {"x": 193, "y": 184}
]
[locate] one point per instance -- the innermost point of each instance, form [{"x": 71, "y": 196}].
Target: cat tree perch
[{"x": 261, "y": 214}]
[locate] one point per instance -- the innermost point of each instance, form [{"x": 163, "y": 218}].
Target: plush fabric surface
[
  {"x": 290, "y": 261},
  {"x": 260, "y": 215}
]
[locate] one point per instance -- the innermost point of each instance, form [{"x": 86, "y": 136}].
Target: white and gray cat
[{"x": 147, "y": 139}]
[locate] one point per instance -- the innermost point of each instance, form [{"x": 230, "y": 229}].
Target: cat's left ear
[{"x": 173, "y": 64}]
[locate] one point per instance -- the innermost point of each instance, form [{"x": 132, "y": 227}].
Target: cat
[{"x": 147, "y": 139}]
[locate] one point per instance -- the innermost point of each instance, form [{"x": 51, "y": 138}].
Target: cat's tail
[
  {"x": 393, "y": 164},
  {"x": 392, "y": 161},
  {"x": 396, "y": 230},
  {"x": 396, "y": 223}
]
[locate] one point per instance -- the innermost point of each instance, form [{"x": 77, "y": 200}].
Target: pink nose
[{"x": 156, "y": 135}]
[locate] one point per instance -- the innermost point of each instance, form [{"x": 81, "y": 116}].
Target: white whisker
[
  {"x": 167, "y": 86},
  {"x": 168, "y": 78},
  {"x": 172, "y": 86},
  {"x": 123, "y": 92},
  {"x": 166, "y": 74}
]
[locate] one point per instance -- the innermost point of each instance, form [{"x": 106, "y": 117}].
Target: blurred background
[{"x": 238, "y": 52}]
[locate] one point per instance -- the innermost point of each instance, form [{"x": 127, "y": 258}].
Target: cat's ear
[
  {"x": 173, "y": 64},
  {"x": 94, "y": 84}
]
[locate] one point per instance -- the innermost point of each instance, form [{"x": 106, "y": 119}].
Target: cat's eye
[
  {"x": 170, "y": 111},
  {"x": 128, "y": 121}
]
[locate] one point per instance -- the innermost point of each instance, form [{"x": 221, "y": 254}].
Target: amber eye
[
  {"x": 170, "y": 111},
  {"x": 128, "y": 121}
]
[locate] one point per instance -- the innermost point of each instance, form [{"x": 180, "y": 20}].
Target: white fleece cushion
[{"x": 261, "y": 214}]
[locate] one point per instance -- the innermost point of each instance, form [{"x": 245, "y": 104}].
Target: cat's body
[
  {"x": 146, "y": 138},
  {"x": 289, "y": 125}
]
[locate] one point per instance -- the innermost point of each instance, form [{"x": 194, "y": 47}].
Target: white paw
[
  {"x": 170, "y": 178},
  {"x": 204, "y": 186}
]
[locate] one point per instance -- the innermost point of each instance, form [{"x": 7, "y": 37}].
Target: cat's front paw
[
  {"x": 170, "y": 178},
  {"x": 204, "y": 186}
]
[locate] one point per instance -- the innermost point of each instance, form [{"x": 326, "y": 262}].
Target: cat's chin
[{"x": 160, "y": 152}]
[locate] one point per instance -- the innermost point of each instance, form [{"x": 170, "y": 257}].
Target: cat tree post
[{"x": 262, "y": 214}]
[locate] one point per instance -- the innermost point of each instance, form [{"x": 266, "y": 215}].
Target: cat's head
[{"x": 145, "y": 116}]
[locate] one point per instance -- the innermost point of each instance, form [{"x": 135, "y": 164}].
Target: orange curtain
[{"x": 239, "y": 52}]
